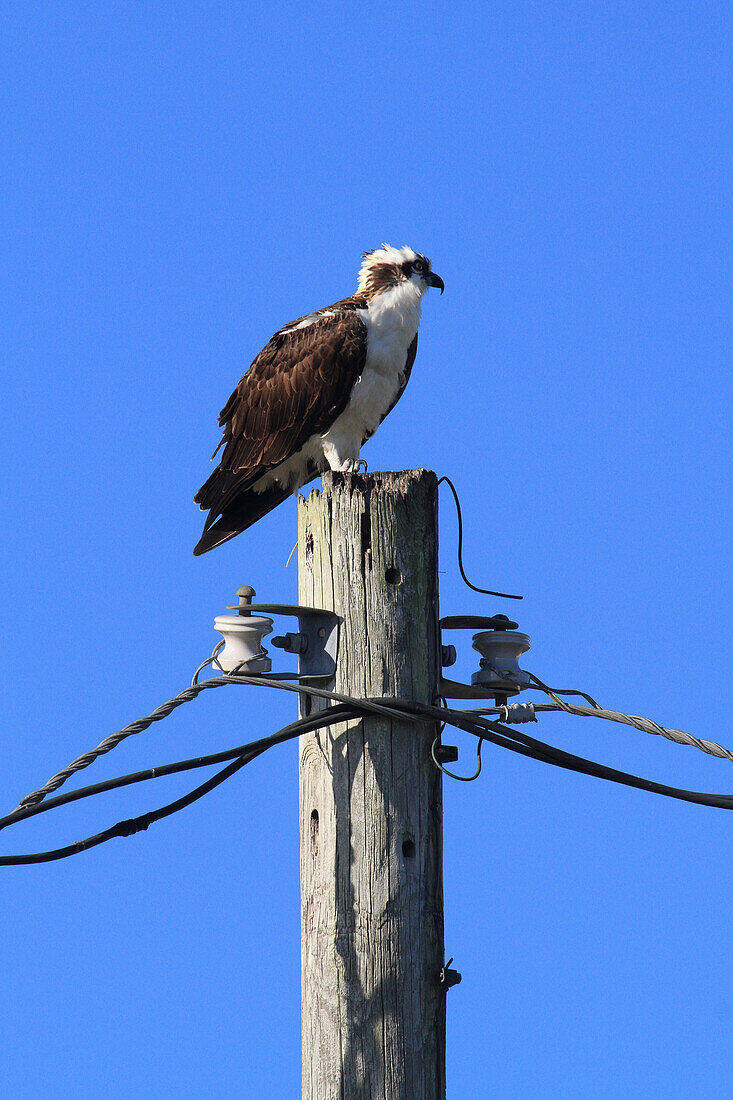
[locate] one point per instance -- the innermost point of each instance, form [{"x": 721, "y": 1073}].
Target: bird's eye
[{"x": 419, "y": 265}]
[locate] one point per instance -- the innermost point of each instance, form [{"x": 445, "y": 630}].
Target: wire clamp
[{"x": 514, "y": 714}]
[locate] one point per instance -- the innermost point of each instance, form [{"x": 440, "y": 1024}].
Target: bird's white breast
[{"x": 391, "y": 321}]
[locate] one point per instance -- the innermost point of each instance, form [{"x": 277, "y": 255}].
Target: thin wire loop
[
  {"x": 554, "y": 692},
  {"x": 209, "y": 661},
  {"x": 452, "y": 775},
  {"x": 237, "y": 670},
  {"x": 483, "y": 591}
]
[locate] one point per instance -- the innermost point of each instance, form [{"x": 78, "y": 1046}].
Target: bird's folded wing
[{"x": 295, "y": 388}]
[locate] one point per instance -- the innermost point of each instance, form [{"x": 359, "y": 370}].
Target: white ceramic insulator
[
  {"x": 502, "y": 648},
  {"x": 243, "y": 636}
]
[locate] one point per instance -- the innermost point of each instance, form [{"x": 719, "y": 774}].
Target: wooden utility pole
[{"x": 370, "y": 799}]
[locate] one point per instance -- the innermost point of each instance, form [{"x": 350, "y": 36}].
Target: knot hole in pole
[
  {"x": 393, "y": 575},
  {"x": 408, "y": 848},
  {"x": 314, "y": 834}
]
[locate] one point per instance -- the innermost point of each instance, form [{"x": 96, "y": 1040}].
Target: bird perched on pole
[{"x": 315, "y": 393}]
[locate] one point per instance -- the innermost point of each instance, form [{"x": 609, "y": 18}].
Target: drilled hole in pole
[
  {"x": 408, "y": 848},
  {"x": 393, "y": 575}
]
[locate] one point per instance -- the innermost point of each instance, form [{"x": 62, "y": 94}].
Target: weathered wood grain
[{"x": 370, "y": 800}]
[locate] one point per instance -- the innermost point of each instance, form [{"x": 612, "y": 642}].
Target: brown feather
[{"x": 295, "y": 388}]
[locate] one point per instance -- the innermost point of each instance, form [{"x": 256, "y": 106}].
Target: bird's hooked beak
[{"x": 435, "y": 280}]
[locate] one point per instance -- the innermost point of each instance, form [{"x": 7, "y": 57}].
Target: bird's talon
[{"x": 360, "y": 467}]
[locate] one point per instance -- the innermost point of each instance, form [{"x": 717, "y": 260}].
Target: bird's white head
[{"x": 388, "y": 267}]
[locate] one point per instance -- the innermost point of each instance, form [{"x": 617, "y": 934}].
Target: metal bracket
[
  {"x": 449, "y": 977},
  {"x": 453, "y": 689},
  {"x": 316, "y": 642},
  {"x": 477, "y": 622},
  {"x": 445, "y": 754}
]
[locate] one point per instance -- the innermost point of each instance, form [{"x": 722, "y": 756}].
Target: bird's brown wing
[{"x": 295, "y": 388}]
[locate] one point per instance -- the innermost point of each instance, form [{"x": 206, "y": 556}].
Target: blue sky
[{"x": 178, "y": 180}]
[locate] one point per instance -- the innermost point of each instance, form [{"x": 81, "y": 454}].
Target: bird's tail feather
[{"x": 250, "y": 507}]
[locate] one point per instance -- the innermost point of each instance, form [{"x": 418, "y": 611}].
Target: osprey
[{"x": 315, "y": 393}]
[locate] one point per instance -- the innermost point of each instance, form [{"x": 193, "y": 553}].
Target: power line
[
  {"x": 516, "y": 741},
  {"x": 345, "y": 709},
  {"x": 185, "y": 696},
  {"x": 339, "y": 712},
  {"x": 130, "y": 826},
  {"x": 646, "y": 725}
]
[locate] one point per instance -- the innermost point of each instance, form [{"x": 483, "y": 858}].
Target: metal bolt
[
  {"x": 292, "y": 643},
  {"x": 245, "y": 595}
]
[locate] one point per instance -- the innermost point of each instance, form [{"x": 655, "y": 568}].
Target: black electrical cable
[
  {"x": 245, "y": 754},
  {"x": 483, "y": 591},
  {"x": 539, "y": 750},
  {"x": 483, "y": 728},
  {"x": 352, "y": 708},
  {"x": 131, "y": 826},
  {"x": 338, "y": 713},
  {"x": 189, "y": 693},
  {"x": 561, "y": 759}
]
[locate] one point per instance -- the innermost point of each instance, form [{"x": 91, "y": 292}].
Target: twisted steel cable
[
  {"x": 470, "y": 721},
  {"x": 186, "y": 696},
  {"x": 346, "y": 708},
  {"x": 646, "y": 725}
]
